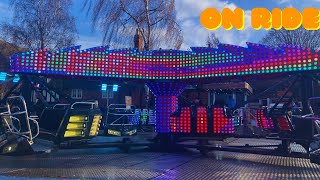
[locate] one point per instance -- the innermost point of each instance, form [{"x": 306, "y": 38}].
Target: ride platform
[{"x": 141, "y": 163}]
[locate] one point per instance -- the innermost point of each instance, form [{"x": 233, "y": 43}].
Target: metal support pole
[
  {"x": 25, "y": 89},
  {"x": 213, "y": 98},
  {"x": 274, "y": 87},
  {"x": 209, "y": 98},
  {"x": 12, "y": 89},
  {"x": 245, "y": 100},
  {"x": 307, "y": 91},
  {"x": 289, "y": 88},
  {"x": 268, "y": 102}
]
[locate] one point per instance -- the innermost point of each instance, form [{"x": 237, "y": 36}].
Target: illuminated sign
[{"x": 288, "y": 18}]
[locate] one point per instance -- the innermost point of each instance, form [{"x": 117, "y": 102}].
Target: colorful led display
[
  {"x": 166, "y": 102},
  {"x": 227, "y": 60},
  {"x": 164, "y": 70},
  {"x": 165, "y": 105},
  {"x": 185, "y": 120},
  {"x": 144, "y": 116},
  {"x": 152, "y": 117},
  {"x": 283, "y": 123},
  {"x": 202, "y": 120},
  {"x": 136, "y": 118},
  {"x": 263, "y": 121},
  {"x": 181, "y": 124},
  {"x": 223, "y": 124},
  {"x": 174, "y": 124}
]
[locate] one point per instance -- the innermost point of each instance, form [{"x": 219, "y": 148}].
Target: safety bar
[
  {"x": 308, "y": 116},
  {"x": 37, "y": 126},
  {"x": 63, "y": 105},
  {"x": 87, "y": 103},
  {"x": 309, "y": 103},
  {"x": 121, "y": 108},
  {"x": 118, "y": 114},
  {"x": 11, "y": 127},
  {"x": 13, "y": 114},
  {"x": 28, "y": 133},
  {"x": 124, "y": 106}
]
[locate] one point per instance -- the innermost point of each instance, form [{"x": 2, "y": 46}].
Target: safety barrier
[{"x": 74, "y": 123}]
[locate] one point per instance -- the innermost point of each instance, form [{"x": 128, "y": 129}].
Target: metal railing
[
  {"x": 8, "y": 117},
  {"x": 92, "y": 105}
]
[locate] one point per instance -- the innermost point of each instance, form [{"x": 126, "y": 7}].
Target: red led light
[
  {"x": 173, "y": 124},
  {"x": 262, "y": 120},
  {"x": 222, "y": 124},
  {"x": 202, "y": 120},
  {"x": 181, "y": 124},
  {"x": 283, "y": 123},
  {"x": 185, "y": 120}
]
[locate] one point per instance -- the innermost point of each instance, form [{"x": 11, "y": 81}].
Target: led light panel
[
  {"x": 104, "y": 87},
  {"x": 152, "y": 117},
  {"x": 227, "y": 60},
  {"x": 136, "y": 118},
  {"x": 166, "y": 102},
  {"x": 181, "y": 124},
  {"x": 283, "y": 123},
  {"x": 263, "y": 121},
  {"x": 144, "y": 116},
  {"x": 202, "y": 120},
  {"x": 115, "y": 88},
  {"x": 165, "y": 68},
  {"x": 3, "y": 76},
  {"x": 222, "y": 124}
]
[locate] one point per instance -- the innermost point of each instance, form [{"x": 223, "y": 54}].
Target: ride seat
[
  {"x": 51, "y": 119},
  {"x": 284, "y": 123},
  {"x": 202, "y": 120},
  {"x": 305, "y": 128}
]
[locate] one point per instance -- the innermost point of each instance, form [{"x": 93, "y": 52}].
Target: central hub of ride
[{"x": 166, "y": 94}]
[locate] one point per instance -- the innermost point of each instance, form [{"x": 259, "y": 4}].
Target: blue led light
[
  {"x": 16, "y": 78},
  {"x": 3, "y": 76},
  {"x": 115, "y": 88},
  {"x": 166, "y": 102},
  {"x": 104, "y": 87}
]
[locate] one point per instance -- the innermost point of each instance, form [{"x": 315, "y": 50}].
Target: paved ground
[{"x": 111, "y": 163}]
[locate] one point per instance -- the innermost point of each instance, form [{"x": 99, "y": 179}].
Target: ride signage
[{"x": 288, "y": 18}]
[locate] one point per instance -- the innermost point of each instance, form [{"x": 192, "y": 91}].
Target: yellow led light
[
  {"x": 74, "y": 133},
  {"x": 76, "y": 126},
  {"x": 79, "y": 118}
]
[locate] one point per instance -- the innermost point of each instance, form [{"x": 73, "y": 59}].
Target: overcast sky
[{"x": 188, "y": 12}]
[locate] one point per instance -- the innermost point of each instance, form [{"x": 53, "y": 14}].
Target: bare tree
[
  {"x": 300, "y": 37},
  {"x": 40, "y": 24},
  {"x": 119, "y": 19},
  {"x": 213, "y": 40}
]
